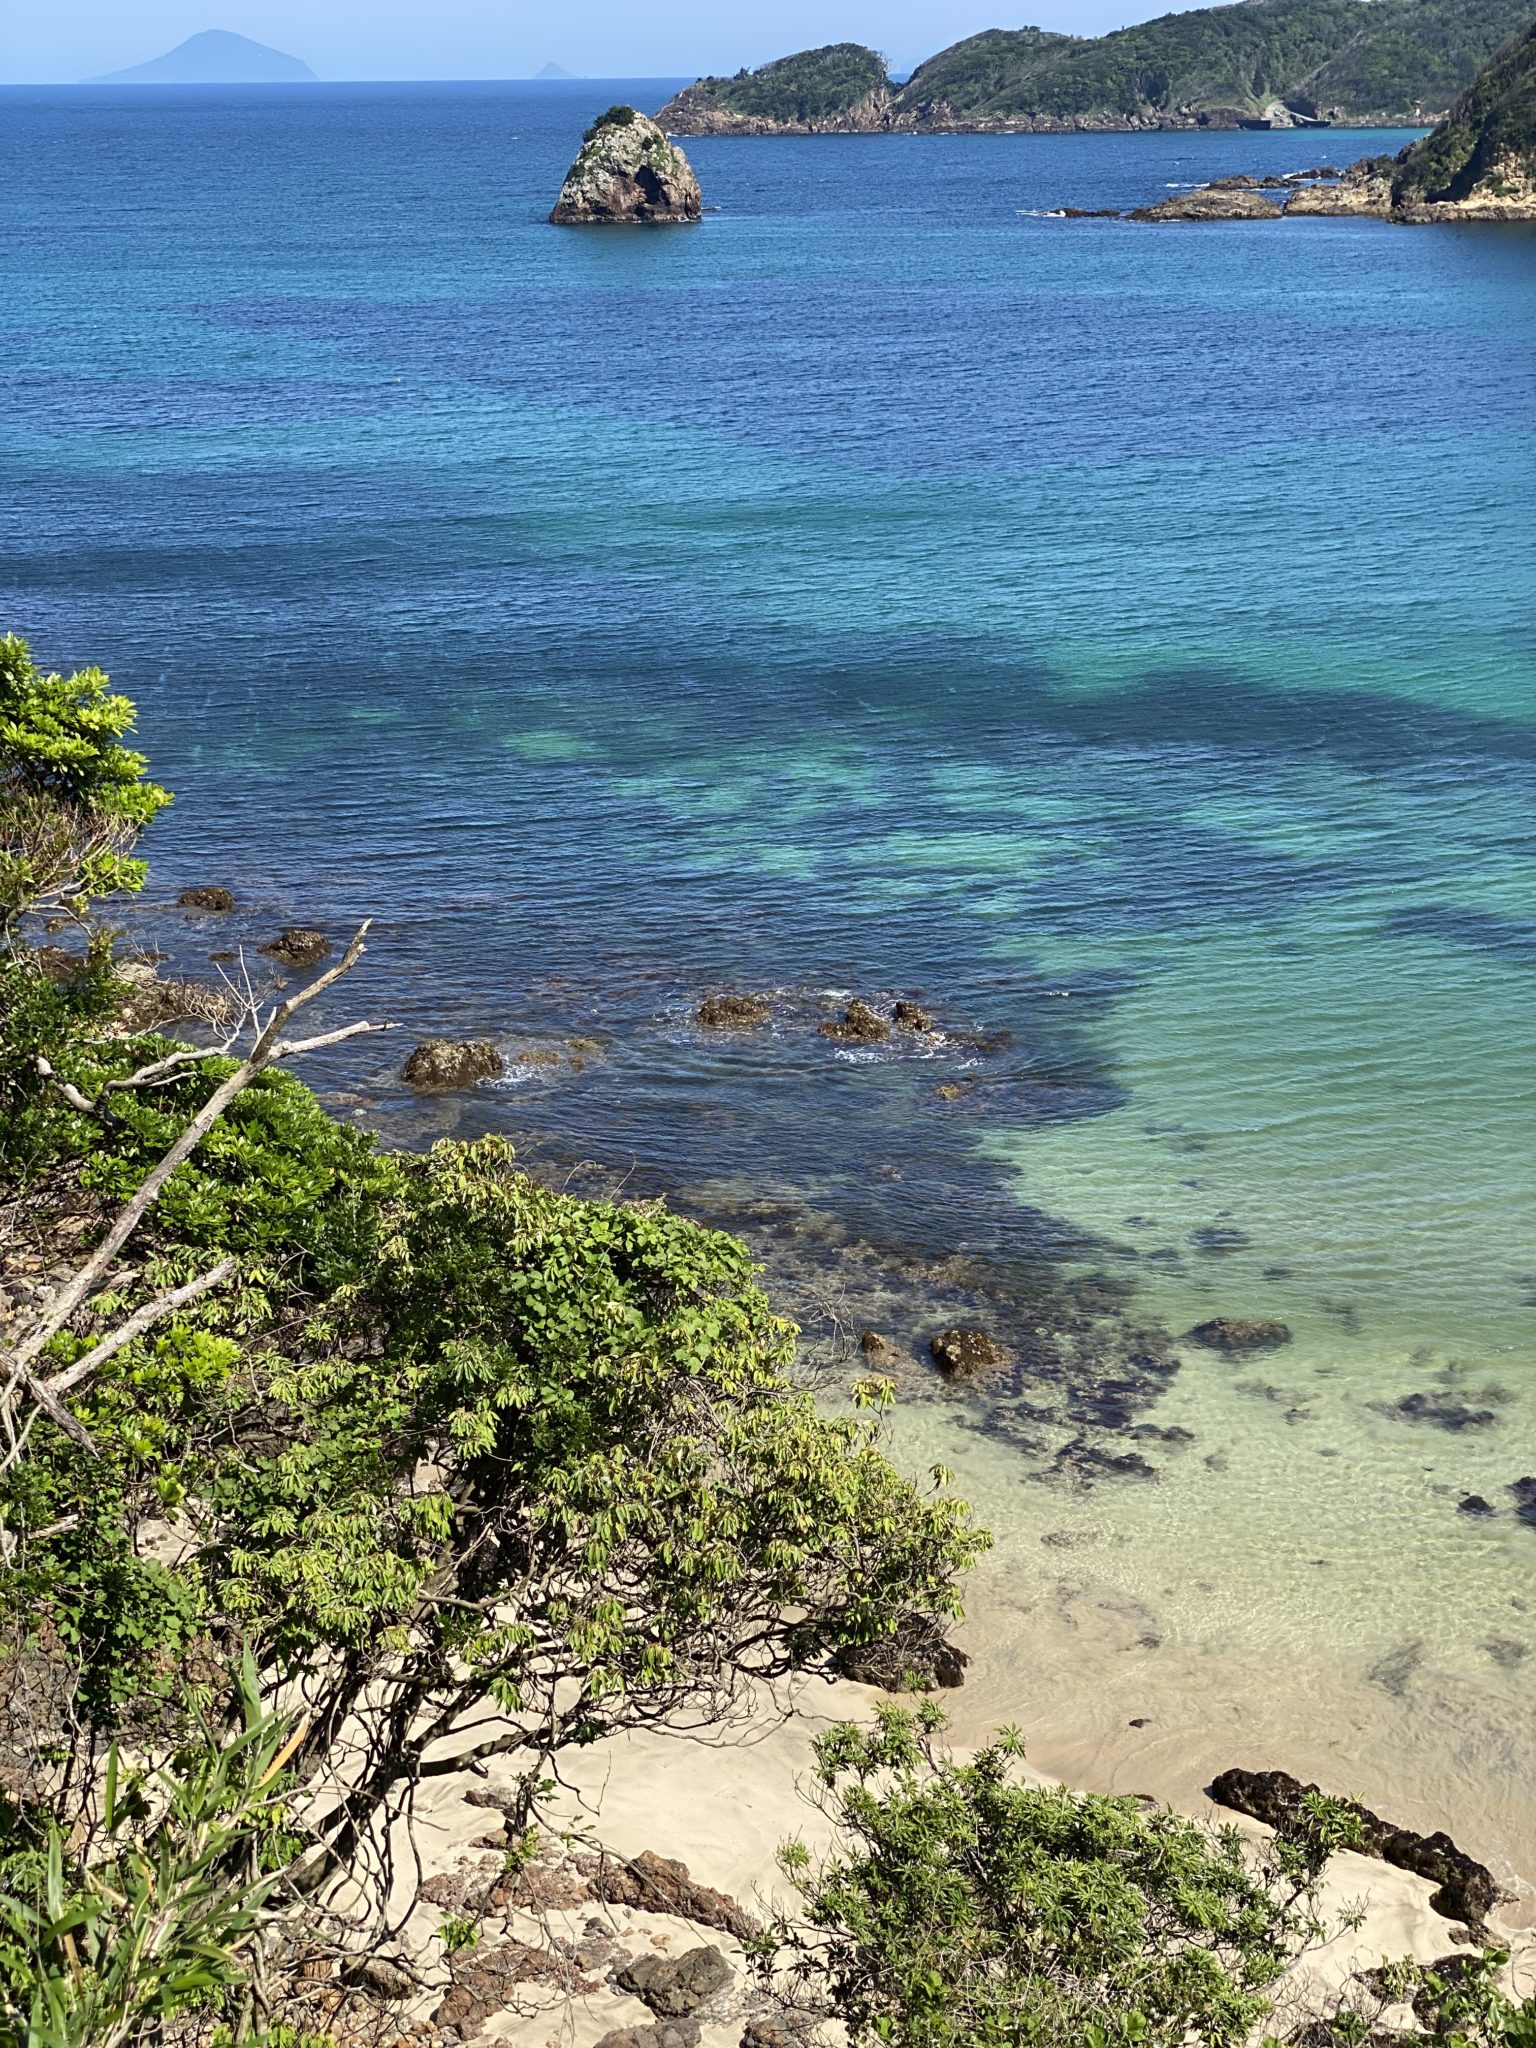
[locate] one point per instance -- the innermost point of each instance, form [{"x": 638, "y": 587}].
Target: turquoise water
[{"x": 1120, "y": 637}]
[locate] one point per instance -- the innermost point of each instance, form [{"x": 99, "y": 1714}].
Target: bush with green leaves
[
  {"x": 450, "y": 1436},
  {"x": 73, "y": 798},
  {"x": 964, "y": 1907}
]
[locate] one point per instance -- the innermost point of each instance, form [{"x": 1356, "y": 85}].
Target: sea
[{"x": 1118, "y": 640}]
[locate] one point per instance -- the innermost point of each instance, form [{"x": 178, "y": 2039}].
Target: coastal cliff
[
  {"x": 1257, "y": 64},
  {"x": 1480, "y": 163}
]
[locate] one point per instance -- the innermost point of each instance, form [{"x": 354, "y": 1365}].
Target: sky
[{"x": 348, "y": 39}]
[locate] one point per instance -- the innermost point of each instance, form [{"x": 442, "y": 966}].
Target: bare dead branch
[
  {"x": 67, "y": 1089},
  {"x": 291, "y": 1048}
]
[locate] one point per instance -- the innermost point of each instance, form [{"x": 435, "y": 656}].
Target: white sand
[{"x": 723, "y": 1803}]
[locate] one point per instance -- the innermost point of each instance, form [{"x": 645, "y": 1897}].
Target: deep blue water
[{"x": 1120, "y": 637}]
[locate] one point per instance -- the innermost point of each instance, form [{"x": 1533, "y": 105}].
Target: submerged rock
[
  {"x": 627, "y": 171},
  {"x": 208, "y": 897},
  {"x": 1466, "y": 1888},
  {"x": 859, "y": 1024},
  {"x": 1444, "y": 1410},
  {"x": 297, "y": 946},
  {"x": 451, "y": 1063},
  {"x": 966, "y": 1355},
  {"x": 1524, "y": 1491},
  {"x": 1474, "y": 1504},
  {"x": 879, "y": 1350},
  {"x": 918, "y": 1655},
  {"x": 674, "y": 1987},
  {"x": 1232, "y": 1333},
  {"x": 734, "y": 1013}
]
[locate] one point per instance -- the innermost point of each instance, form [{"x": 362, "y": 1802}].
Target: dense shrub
[{"x": 73, "y": 798}]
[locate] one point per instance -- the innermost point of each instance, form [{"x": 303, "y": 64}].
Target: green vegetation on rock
[
  {"x": 1486, "y": 148},
  {"x": 1349, "y": 58},
  {"x": 1341, "y": 60},
  {"x": 842, "y": 86},
  {"x": 815, "y": 85}
]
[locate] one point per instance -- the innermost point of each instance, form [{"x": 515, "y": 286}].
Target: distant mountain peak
[
  {"x": 553, "y": 71},
  {"x": 215, "y": 56}
]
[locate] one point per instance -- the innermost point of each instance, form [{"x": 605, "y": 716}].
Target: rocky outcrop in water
[
  {"x": 439, "y": 1063},
  {"x": 1480, "y": 163},
  {"x": 1212, "y": 202},
  {"x": 1365, "y": 188},
  {"x": 297, "y": 946},
  {"x": 626, "y": 171},
  {"x": 207, "y": 897},
  {"x": 1247, "y": 64},
  {"x": 840, "y": 89},
  {"x": 148, "y": 1002},
  {"x": 734, "y": 1013},
  {"x": 858, "y": 1025},
  {"x": 1466, "y": 1889}
]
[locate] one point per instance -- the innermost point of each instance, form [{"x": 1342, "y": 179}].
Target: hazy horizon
[{"x": 474, "y": 39}]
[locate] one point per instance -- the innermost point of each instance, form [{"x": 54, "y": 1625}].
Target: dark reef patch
[{"x": 1508, "y": 938}]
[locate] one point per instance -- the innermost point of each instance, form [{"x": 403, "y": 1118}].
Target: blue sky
[{"x": 512, "y": 38}]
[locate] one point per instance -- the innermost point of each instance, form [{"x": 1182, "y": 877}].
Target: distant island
[
  {"x": 553, "y": 71},
  {"x": 1256, "y": 64},
  {"x": 216, "y": 56}
]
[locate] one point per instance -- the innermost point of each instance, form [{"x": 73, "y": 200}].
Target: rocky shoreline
[
  {"x": 692, "y": 113},
  {"x": 1045, "y": 1340}
]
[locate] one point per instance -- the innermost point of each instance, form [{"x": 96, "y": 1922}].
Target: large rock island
[
  {"x": 1256, "y": 64},
  {"x": 626, "y": 170}
]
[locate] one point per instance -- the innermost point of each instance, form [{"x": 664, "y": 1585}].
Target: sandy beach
[{"x": 724, "y": 1802}]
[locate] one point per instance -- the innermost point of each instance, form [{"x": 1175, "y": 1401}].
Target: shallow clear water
[{"x": 1120, "y": 637}]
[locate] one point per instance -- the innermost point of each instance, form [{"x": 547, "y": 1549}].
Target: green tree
[{"x": 73, "y": 798}]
